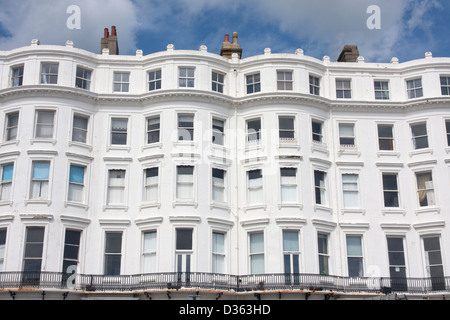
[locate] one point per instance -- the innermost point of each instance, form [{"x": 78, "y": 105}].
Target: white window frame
[
  {"x": 430, "y": 193},
  {"x": 36, "y": 124},
  {"x": 348, "y": 137},
  {"x": 155, "y": 81},
  {"x": 192, "y": 136},
  {"x": 83, "y": 185},
  {"x": 49, "y": 180},
  {"x": 50, "y": 74},
  {"x": 415, "y": 91},
  {"x": 254, "y": 85},
  {"x": 415, "y": 138},
  {"x": 391, "y": 139},
  {"x": 295, "y": 184},
  {"x": 9, "y": 127},
  {"x": 223, "y": 188},
  {"x": 314, "y": 88},
  {"x": 85, "y": 131},
  {"x": 384, "y": 92},
  {"x": 85, "y": 80},
  {"x": 216, "y": 84},
  {"x": 124, "y": 84},
  {"x": 219, "y": 254},
  {"x": 17, "y": 80},
  {"x": 285, "y": 84},
  {"x": 186, "y": 77},
  {"x": 341, "y": 87},
  {"x": 361, "y": 256},
  {"x": 149, "y": 253},
  {"x": 124, "y": 204},
  {"x": 147, "y": 131},
  {"x": 123, "y": 237},
  {"x": 324, "y": 194},
  {"x": 217, "y": 132},
  {"x": 9, "y": 183},
  {"x": 257, "y": 187},
  {"x": 193, "y": 183},
  {"x": 352, "y": 190},
  {"x": 156, "y": 185},
  {"x": 128, "y": 132},
  {"x": 257, "y": 253}
]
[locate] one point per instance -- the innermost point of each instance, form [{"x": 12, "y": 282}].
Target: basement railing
[{"x": 220, "y": 282}]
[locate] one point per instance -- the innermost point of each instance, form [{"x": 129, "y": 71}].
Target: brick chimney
[
  {"x": 110, "y": 41},
  {"x": 228, "y": 48},
  {"x": 349, "y": 54}
]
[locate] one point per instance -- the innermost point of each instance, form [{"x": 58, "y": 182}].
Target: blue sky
[{"x": 408, "y": 28}]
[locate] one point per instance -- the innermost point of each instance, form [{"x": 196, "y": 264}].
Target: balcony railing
[{"x": 221, "y": 282}]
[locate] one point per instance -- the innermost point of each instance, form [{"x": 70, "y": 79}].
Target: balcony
[{"x": 221, "y": 282}]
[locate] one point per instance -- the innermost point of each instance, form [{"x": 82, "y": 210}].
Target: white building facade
[{"x": 186, "y": 174}]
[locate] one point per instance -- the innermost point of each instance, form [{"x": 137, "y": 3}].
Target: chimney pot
[
  {"x": 113, "y": 31},
  {"x": 106, "y": 33},
  {"x": 227, "y": 38}
]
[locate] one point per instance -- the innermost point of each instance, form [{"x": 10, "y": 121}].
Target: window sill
[
  {"x": 148, "y": 205},
  {"x": 115, "y": 207},
  {"x": 155, "y": 145},
  {"x": 386, "y": 211},
  {"x": 421, "y": 151},
  {"x": 37, "y": 140},
  {"x": 178, "y": 203},
  {"x": 288, "y": 144},
  {"x": 322, "y": 208},
  {"x": 114, "y": 147},
  {"x": 6, "y": 203},
  {"x": 80, "y": 144},
  {"x": 76, "y": 204},
  {"x": 38, "y": 201},
  {"x": 386, "y": 153},
  {"x": 319, "y": 147},
  {"x": 353, "y": 211},
  {"x": 10, "y": 143},
  {"x": 348, "y": 150},
  {"x": 429, "y": 210},
  {"x": 255, "y": 207},
  {"x": 220, "y": 205},
  {"x": 290, "y": 205}
]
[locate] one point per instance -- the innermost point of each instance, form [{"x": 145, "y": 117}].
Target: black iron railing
[{"x": 221, "y": 282}]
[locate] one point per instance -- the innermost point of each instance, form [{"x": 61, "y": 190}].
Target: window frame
[
  {"x": 341, "y": 88},
  {"x": 112, "y": 132},
  {"x": 384, "y": 92},
  {"x": 385, "y": 139},
  {"x": 258, "y": 133},
  {"x": 147, "y": 185},
  {"x": 107, "y": 254},
  {"x": 294, "y": 183},
  {"x": 4, "y": 182},
  {"x": 353, "y": 256},
  {"x": 255, "y": 85},
  {"x": 355, "y": 192},
  {"x": 252, "y": 254},
  {"x": 17, "y": 78},
  {"x": 221, "y": 187},
  {"x": 9, "y": 127},
  {"x": 110, "y": 187},
  {"x": 325, "y": 256},
  {"x": 350, "y": 138},
  {"x": 429, "y": 192},
  {"x": 74, "y": 183},
  {"x": 416, "y": 138},
  {"x": 396, "y": 190},
  {"x": 54, "y": 77},
  {"x": 216, "y": 84},
  {"x": 154, "y": 81},
  {"x": 83, "y": 78},
  {"x": 323, "y": 190},
  {"x": 259, "y": 187},
  {"x": 52, "y": 125},
  {"x": 285, "y": 84},
  {"x": 83, "y": 132},
  {"x": 151, "y": 253},
  {"x": 185, "y": 77},
  {"x": 216, "y": 132},
  {"x": 192, "y": 183},
  {"x": 122, "y": 85},
  {"x": 314, "y": 86},
  {"x": 149, "y": 131},
  {"x": 41, "y": 181},
  {"x": 191, "y": 130},
  {"x": 413, "y": 91}
]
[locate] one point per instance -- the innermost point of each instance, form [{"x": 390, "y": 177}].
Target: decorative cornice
[{"x": 260, "y": 99}]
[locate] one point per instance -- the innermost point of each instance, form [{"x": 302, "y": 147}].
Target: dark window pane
[
  {"x": 113, "y": 242},
  {"x": 184, "y": 239}
]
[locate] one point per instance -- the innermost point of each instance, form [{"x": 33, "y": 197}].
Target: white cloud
[{"x": 46, "y": 20}]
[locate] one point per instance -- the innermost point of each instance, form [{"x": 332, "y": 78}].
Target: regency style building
[{"x": 187, "y": 174}]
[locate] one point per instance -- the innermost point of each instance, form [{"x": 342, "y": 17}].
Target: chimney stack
[
  {"x": 349, "y": 54},
  {"x": 110, "y": 41},
  {"x": 229, "y": 48}
]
